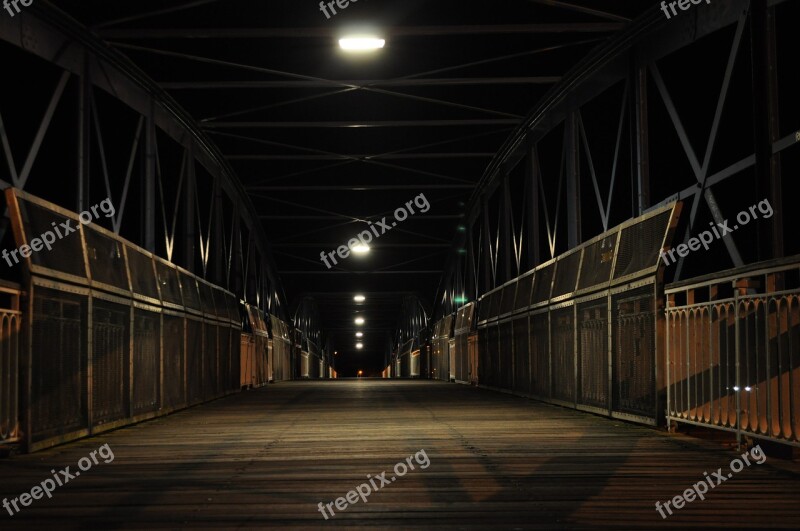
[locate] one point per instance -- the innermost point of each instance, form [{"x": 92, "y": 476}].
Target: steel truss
[
  {"x": 174, "y": 193},
  {"x": 532, "y": 202}
]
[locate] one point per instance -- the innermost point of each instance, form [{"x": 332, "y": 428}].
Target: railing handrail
[{"x": 728, "y": 275}]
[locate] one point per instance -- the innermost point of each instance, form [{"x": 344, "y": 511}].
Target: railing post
[
  {"x": 737, "y": 388},
  {"x": 670, "y": 303}
]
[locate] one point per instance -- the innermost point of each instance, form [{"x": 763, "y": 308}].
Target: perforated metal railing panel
[
  {"x": 483, "y": 309},
  {"x": 640, "y": 245},
  {"x": 494, "y": 303},
  {"x": 58, "y": 364},
  {"x": 191, "y": 297},
  {"x": 233, "y": 308},
  {"x": 566, "y": 354},
  {"x": 194, "y": 360},
  {"x": 458, "y": 361},
  {"x": 143, "y": 278},
  {"x": 566, "y": 274},
  {"x": 462, "y": 357},
  {"x": 483, "y": 356},
  {"x": 441, "y": 348},
  {"x": 593, "y": 354},
  {"x": 146, "y": 361},
  {"x": 541, "y": 285},
  {"x": 507, "y": 303},
  {"x": 174, "y": 363},
  {"x": 597, "y": 261},
  {"x": 67, "y": 253},
  {"x": 540, "y": 355},
  {"x": 106, "y": 259},
  {"x": 469, "y": 315},
  {"x": 170, "y": 285},
  {"x": 220, "y": 304},
  {"x": 522, "y": 380},
  {"x": 210, "y": 360},
  {"x": 207, "y": 300},
  {"x": 506, "y": 356},
  {"x": 524, "y": 287},
  {"x": 262, "y": 360},
  {"x": 635, "y": 355},
  {"x": 493, "y": 371},
  {"x": 110, "y": 361},
  {"x": 563, "y": 349}
]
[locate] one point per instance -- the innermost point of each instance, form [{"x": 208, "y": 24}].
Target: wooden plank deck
[{"x": 266, "y": 458}]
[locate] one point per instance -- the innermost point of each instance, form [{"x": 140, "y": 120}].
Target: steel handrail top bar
[{"x": 728, "y": 275}]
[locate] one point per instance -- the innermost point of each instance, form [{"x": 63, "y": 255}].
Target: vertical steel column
[
  {"x": 84, "y": 134},
  {"x": 216, "y": 248},
  {"x": 471, "y": 281},
  {"x": 572, "y": 157},
  {"x": 532, "y": 176},
  {"x": 488, "y": 276},
  {"x": 189, "y": 219},
  {"x": 149, "y": 206},
  {"x": 640, "y": 139},
  {"x": 505, "y": 231},
  {"x": 765, "y": 121}
]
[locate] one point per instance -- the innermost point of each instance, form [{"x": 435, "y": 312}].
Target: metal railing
[
  {"x": 733, "y": 351},
  {"x": 10, "y": 326}
]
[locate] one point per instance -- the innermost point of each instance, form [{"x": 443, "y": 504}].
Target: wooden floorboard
[{"x": 266, "y": 458}]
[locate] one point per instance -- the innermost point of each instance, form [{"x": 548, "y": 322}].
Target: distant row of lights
[{"x": 359, "y": 321}]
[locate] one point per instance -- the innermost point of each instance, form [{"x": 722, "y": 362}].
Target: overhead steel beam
[
  {"x": 581, "y": 9},
  {"x": 292, "y": 75},
  {"x": 366, "y": 157},
  {"x": 322, "y": 271},
  {"x": 331, "y": 218},
  {"x": 362, "y": 124},
  {"x": 332, "y": 31},
  {"x": 374, "y": 245},
  {"x": 157, "y": 12},
  {"x": 216, "y": 85},
  {"x": 365, "y": 161},
  {"x": 360, "y": 187}
]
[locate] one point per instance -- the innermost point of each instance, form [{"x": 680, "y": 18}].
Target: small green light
[
  {"x": 460, "y": 300},
  {"x": 461, "y": 228},
  {"x": 462, "y": 251}
]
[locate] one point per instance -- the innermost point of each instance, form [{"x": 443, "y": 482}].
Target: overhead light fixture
[
  {"x": 359, "y": 298},
  {"x": 359, "y": 346},
  {"x": 359, "y": 320},
  {"x": 361, "y": 43},
  {"x": 361, "y": 248},
  {"x": 359, "y": 334}
]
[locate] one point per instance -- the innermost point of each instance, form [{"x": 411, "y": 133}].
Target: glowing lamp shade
[
  {"x": 361, "y": 248},
  {"x": 359, "y": 346},
  {"x": 361, "y": 43},
  {"x": 359, "y": 298},
  {"x": 359, "y": 320},
  {"x": 359, "y": 334}
]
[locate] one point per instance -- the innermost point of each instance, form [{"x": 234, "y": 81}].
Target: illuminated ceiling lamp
[{"x": 361, "y": 43}]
